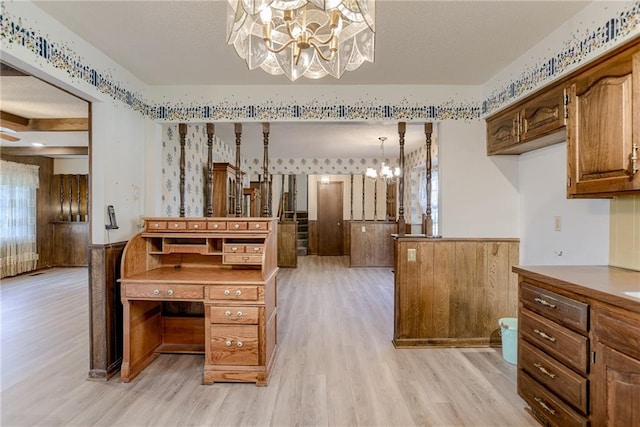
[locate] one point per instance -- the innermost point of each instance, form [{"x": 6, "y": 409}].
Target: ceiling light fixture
[
  {"x": 385, "y": 172},
  {"x": 37, "y": 144},
  {"x": 310, "y": 38}
]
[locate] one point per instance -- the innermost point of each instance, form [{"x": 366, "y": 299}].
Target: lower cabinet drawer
[
  {"x": 564, "y": 382},
  {"x": 546, "y": 405},
  {"x": 234, "y": 345},
  {"x": 234, "y": 314},
  {"x": 133, "y": 290},
  {"x": 234, "y": 292},
  {"x": 563, "y": 344}
]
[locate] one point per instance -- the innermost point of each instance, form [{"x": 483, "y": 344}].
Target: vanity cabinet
[
  {"x": 204, "y": 286},
  {"x": 579, "y": 344},
  {"x": 534, "y": 123},
  {"x": 603, "y": 128}
]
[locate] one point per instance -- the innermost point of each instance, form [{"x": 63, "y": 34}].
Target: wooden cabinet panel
[
  {"x": 530, "y": 124},
  {"x": 603, "y": 132},
  {"x": 616, "y": 389}
]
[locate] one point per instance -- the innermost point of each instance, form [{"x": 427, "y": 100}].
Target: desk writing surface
[{"x": 198, "y": 275}]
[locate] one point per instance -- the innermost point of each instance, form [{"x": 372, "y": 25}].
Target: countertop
[{"x": 613, "y": 285}]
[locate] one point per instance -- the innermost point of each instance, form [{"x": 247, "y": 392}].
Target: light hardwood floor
[{"x": 335, "y": 365}]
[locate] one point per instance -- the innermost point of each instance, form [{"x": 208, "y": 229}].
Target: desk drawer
[
  {"x": 258, "y": 225},
  {"x": 234, "y": 314},
  {"x": 571, "y": 313},
  {"x": 230, "y": 248},
  {"x": 242, "y": 259},
  {"x": 176, "y": 225},
  {"x": 217, "y": 225},
  {"x": 150, "y": 291},
  {"x": 237, "y": 225},
  {"x": 156, "y": 226},
  {"x": 234, "y": 345},
  {"x": 232, "y": 292},
  {"x": 547, "y": 405},
  {"x": 196, "y": 225},
  {"x": 555, "y": 376},
  {"x": 565, "y": 345}
]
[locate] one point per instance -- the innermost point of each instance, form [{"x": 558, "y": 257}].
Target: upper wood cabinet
[
  {"x": 534, "y": 123},
  {"x": 603, "y": 128}
]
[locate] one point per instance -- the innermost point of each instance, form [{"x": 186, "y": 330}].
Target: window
[{"x": 18, "y": 185}]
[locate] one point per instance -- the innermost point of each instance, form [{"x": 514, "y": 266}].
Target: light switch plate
[{"x": 411, "y": 255}]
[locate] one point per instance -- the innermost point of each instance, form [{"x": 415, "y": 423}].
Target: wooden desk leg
[{"x": 142, "y": 334}]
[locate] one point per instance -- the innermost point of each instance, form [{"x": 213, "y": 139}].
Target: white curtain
[{"x": 18, "y": 185}]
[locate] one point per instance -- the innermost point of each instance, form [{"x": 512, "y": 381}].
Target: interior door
[{"x": 330, "y": 224}]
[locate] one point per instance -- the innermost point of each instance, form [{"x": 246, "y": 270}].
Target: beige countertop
[{"x": 616, "y": 286}]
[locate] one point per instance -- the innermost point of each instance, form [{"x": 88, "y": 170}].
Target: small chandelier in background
[
  {"x": 385, "y": 172},
  {"x": 310, "y": 38}
]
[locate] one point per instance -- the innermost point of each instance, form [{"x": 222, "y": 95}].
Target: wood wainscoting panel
[
  {"x": 105, "y": 310},
  {"x": 287, "y": 244},
  {"x": 452, "y": 292},
  {"x": 70, "y": 244},
  {"x": 371, "y": 243}
]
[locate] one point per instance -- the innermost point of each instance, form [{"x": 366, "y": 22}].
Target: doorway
[{"x": 330, "y": 222}]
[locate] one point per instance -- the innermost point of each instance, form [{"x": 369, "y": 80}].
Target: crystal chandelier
[
  {"x": 310, "y": 38},
  {"x": 385, "y": 172}
]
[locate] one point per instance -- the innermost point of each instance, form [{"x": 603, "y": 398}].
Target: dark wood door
[{"x": 330, "y": 223}]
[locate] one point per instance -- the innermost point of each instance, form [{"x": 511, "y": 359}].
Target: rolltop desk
[{"x": 204, "y": 286}]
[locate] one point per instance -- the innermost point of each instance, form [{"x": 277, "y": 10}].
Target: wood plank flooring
[{"x": 335, "y": 365}]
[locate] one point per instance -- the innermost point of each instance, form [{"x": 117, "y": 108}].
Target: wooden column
[
  {"x": 363, "y": 180},
  {"x": 238, "y": 189},
  {"x": 427, "y": 220},
  {"x": 209, "y": 183},
  {"x": 294, "y": 195},
  {"x": 182, "y": 130},
  {"x": 351, "y": 199},
  {"x": 375, "y": 200},
  {"x": 265, "y": 170},
  {"x": 402, "y": 128}
]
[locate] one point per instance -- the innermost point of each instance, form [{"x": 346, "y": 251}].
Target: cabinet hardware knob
[
  {"x": 256, "y": 249},
  {"x": 544, "y": 302},
  {"x": 170, "y": 292},
  {"x": 239, "y": 314},
  {"x": 215, "y": 225},
  {"x": 544, "y": 371},
  {"x": 234, "y": 249},
  {"x": 239, "y": 344},
  {"x": 258, "y": 225},
  {"x": 544, "y": 406},
  {"x": 195, "y": 226},
  {"x": 238, "y": 292},
  {"x": 227, "y": 343},
  {"x": 545, "y": 336},
  {"x": 227, "y": 292},
  {"x": 156, "y": 292},
  {"x": 175, "y": 225},
  {"x": 156, "y": 225},
  {"x": 236, "y": 225},
  {"x": 227, "y": 314}
]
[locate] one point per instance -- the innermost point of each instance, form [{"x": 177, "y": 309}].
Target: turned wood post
[
  {"x": 265, "y": 170},
  {"x": 238, "y": 189},
  {"x": 209, "y": 184},
  {"x": 427, "y": 220},
  {"x": 351, "y": 199},
  {"x": 182, "y": 130},
  {"x": 402, "y": 128}
]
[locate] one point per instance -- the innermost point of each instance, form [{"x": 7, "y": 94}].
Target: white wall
[
  {"x": 584, "y": 223},
  {"x": 118, "y": 170},
  {"x": 78, "y": 166},
  {"x": 479, "y": 194}
]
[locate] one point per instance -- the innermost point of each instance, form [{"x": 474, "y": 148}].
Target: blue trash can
[{"x": 509, "y": 333}]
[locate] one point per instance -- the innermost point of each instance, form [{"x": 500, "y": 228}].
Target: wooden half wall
[{"x": 452, "y": 292}]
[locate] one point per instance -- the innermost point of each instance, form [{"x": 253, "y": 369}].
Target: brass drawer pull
[
  {"x": 545, "y": 406},
  {"x": 544, "y": 302},
  {"x": 544, "y": 371},
  {"x": 545, "y": 336}
]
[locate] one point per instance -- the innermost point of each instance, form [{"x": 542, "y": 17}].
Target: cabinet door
[
  {"x": 542, "y": 116},
  {"x": 502, "y": 132},
  {"x": 616, "y": 389},
  {"x": 603, "y": 129}
]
